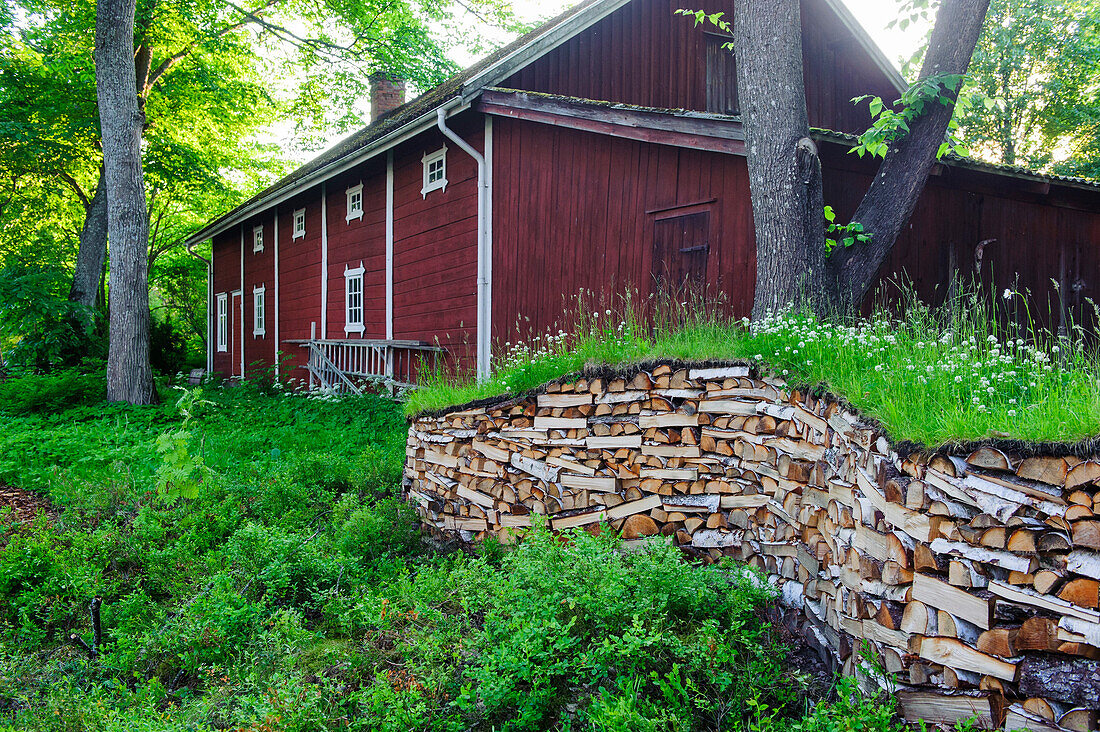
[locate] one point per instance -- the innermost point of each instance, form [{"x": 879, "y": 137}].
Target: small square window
[
  {"x": 353, "y": 299},
  {"x": 435, "y": 171},
  {"x": 223, "y": 322},
  {"x": 355, "y": 202},
  {"x": 259, "y": 316},
  {"x": 299, "y": 223},
  {"x": 258, "y": 239}
]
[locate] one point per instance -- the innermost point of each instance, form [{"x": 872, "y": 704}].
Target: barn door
[
  {"x": 236, "y": 340},
  {"x": 680, "y": 252}
]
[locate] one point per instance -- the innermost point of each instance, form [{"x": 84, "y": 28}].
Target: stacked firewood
[{"x": 967, "y": 583}]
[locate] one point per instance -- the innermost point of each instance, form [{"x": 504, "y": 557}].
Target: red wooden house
[{"x": 601, "y": 151}]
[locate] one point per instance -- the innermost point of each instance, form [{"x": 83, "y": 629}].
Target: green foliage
[
  {"x": 51, "y": 393},
  {"x": 1039, "y": 60},
  {"x": 39, "y": 327},
  {"x": 181, "y": 469},
  {"x": 960, "y": 372},
  {"x": 848, "y": 234},
  {"x": 892, "y": 122},
  {"x": 292, "y": 592}
]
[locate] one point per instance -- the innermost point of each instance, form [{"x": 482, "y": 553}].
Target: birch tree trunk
[
  {"x": 784, "y": 168},
  {"x": 129, "y": 375},
  {"x": 889, "y": 202}
]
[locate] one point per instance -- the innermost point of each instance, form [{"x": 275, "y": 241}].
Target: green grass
[
  {"x": 927, "y": 377},
  {"x": 293, "y": 592}
]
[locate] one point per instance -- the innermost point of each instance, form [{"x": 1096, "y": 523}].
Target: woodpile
[{"x": 973, "y": 579}]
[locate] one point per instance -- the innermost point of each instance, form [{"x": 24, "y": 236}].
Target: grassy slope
[
  {"x": 923, "y": 381},
  {"x": 292, "y": 594}
]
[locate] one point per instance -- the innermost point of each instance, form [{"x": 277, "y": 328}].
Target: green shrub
[
  {"x": 294, "y": 592},
  {"x": 51, "y": 393}
]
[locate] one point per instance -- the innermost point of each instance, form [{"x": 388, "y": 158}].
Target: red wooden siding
[
  {"x": 644, "y": 54},
  {"x": 355, "y": 242},
  {"x": 299, "y": 278},
  {"x": 259, "y": 270},
  {"x": 227, "y": 278},
  {"x": 435, "y": 244},
  {"x": 1036, "y": 236},
  {"x": 577, "y": 211}
]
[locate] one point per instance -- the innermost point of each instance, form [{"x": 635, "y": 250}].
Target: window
[
  {"x": 258, "y": 314},
  {"x": 435, "y": 171},
  {"x": 299, "y": 223},
  {"x": 223, "y": 322},
  {"x": 355, "y": 202},
  {"x": 353, "y": 299},
  {"x": 258, "y": 239},
  {"x": 721, "y": 76}
]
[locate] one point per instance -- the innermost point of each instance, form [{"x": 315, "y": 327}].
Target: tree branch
[{"x": 76, "y": 187}]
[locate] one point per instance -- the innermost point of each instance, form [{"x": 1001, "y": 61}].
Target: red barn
[{"x": 601, "y": 151}]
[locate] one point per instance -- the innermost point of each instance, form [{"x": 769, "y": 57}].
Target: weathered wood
[{"x": 1071, "y": 681}]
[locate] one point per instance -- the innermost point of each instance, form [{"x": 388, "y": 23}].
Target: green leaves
[
  {"x": 848, "y": 234},
  {"x": 892, "y": 122},
  {"x": 715, "y": 19}
]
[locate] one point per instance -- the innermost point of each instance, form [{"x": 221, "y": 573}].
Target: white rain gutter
[{"x": 484, "y": 247}]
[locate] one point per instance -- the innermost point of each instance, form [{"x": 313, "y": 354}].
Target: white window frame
[
  {"x": 440, "y": 184},
  {"x": 299, "y": 217},
  {"x": 355, "y": 213},
  {"x": 259, "y": 311},
  {"x": 222, "y": 323},
  {"x": 258, "y": 238},
  {"x": 354, "y": 275}
]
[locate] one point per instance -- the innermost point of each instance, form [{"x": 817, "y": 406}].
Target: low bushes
[{"x": 294, "y": 593}]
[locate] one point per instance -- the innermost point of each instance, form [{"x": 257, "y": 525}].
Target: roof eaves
[
  {"x": 852, "y": 23},
  {"x": 952, "y": 159}
]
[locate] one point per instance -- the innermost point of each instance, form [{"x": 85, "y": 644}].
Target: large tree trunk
[
  {"x": 92, "y": 254},
  {"x": 889, "y": 202},
  {"x": 129, "y": 375},
  {"x": 784, "y": 169}
]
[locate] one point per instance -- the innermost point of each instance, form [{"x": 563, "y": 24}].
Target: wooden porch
[{"x": 345, "y": 366}]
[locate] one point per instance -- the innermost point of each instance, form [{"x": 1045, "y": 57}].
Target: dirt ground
[{"x": 25, "y": 505}]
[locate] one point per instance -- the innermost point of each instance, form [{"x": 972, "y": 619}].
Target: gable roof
[{"x": 456, "y": 93}]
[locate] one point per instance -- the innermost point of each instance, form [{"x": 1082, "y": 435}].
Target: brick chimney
[{"x": 386, "y": 94}]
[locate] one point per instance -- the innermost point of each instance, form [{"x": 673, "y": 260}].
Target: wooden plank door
[
  {"x": 236, "y": 339},
  {"x": 681, "y": 248}
]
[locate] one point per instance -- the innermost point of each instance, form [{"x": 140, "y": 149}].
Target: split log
[
  {"x": 1071, "y": 681},
  {"x": 953, "y": 653}
]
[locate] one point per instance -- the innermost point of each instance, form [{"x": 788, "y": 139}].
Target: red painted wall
[
  {"x": 576, "y": 211},
  {"x": 355, "y": 242},
  {"x": 226, "y": 278},
  {"x": 590, "y": 225},
  {"x": 259, "y": 270},
  {"x": 1034, "y": 236},
  {"x": 299, "y": 279},
  {"x": 644, "y": 54},
  {"x": 435, "y": 243}
]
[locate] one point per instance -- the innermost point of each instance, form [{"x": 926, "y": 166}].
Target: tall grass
[{"x": 959, "y": 372}]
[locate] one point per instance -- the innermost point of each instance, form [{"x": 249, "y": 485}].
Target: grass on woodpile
[{"x": 960, "y": 372}]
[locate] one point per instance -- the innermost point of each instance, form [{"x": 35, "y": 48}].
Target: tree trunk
[
  {"x": 784, "y": 169},
  {"x": 92, "y": 253},
  {"x": 893, "y": 194},
  {"x": 129, "y": 375}
]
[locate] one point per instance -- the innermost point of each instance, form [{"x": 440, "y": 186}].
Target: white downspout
[
  {"x": 389, "y": 245},
  {"x": 324, "y": 260},
  {"x": 241, "y": 314},
  {"x": 276, "y": 293},
  {"x": 484, "y": 253}
]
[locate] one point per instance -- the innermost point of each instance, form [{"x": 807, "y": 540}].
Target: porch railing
[{"x": 341, "y": 366}]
